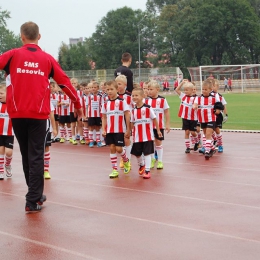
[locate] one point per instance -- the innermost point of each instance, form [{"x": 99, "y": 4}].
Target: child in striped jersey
[
  {"x": 188, "y": 114},
  {"x": 161, "y": 109},
  {"x": 220, "y": 119},
  {"x": 116, "y": 127},
  {"x": 204, "y": 104},
  {"x": 6, "y": 137},
  {"x": 94, "y": 115},
  {"x": 142, "y": 121},
  {"x": 121, "y": 81}
]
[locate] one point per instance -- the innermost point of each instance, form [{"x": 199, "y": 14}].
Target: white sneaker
[
  {"x": 1, "y": 176},
  {"x": 8, "y": 170}
]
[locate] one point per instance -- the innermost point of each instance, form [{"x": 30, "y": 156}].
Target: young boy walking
[
  {"x": 116, "y": 127},
  {"x": 142, "y": 121}
]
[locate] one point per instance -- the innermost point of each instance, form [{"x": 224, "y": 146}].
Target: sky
[{"x": 60, "y": 20}]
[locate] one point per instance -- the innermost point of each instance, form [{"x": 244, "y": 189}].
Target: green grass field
[{"x": 243, "y": 111}]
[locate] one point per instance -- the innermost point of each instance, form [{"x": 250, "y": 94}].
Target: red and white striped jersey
[
  {"x": 63, "y": 109},
  {"x": 206, "y": 108},
  {"x": 159, "y": 105},
  {"x": 186, "y": 110},
  {"x": 94, "y": 105},
  {"x": 114, "y": 110},
  {"x": 128, "y": 98},
  {"x": 80, "y": 95},
  {"x": 105, "y": 98},
  {"x": 142, "y": 118},
  {"x": 221, "y": 98},
  {"x": 5, "y": 121},
  {"x": 54, "y": 101}
]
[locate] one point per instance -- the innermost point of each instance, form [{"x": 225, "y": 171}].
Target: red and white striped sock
[
  {"x": 62, "y": 132},
  {"x": 2, "y": 159},
  {"x": 113, "y": 159},
  {"x": 219, "y": 139},
  {"x": 98, "y": 136},
  {"x": 90, "y": 136},
  {"x": 47, "y": 157},
  {"x": 8, "y": 160},
  {"x": 123, "y": 155},
  {"x": 69, "y": 132},
  {"x": 208, "y": 145},
  {"x": 187, "y": 143}
]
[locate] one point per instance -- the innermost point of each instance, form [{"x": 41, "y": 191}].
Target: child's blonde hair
[
  {"x": 208, "y": 82},
  {"x": 188, "y": 85},
  {"x": 139, "y": 89},
  {"x": 154, "y": 83},
  {"x": 112, "y": 83},
  {"x": 121, "y": 78}
]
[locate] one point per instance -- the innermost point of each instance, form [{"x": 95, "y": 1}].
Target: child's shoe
[
  {"x": 153, "y": 161},
  {"x": 196, "y": 146},
  {"x": 159, "y": 166},
  {"x": 141, "y": 169},
  {"x": 47, "y": 175},
  {"x": 62, "y": 140},
  {"x": 147, "y": 175},
  {"x": 207, "y": 155},
  {"x": 99, "y": 144},
  {"x": 82, "y": 141},
  {"x": 220, "y": 149},
  {"x": 8, "y": 170},
  {"x": 202, "y": 150},
  {"x": 42, "y": 199},
  {"x": 74, "y": 142},
  {"x": 127, "y": 167},
  {"x": 91, "y": 144},
  {"x": 187, "y": 150},
  {"x": 71, "y": 140},
  {"x": 113, "y": 174}
]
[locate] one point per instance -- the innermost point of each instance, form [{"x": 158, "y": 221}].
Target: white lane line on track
[
  {"x": 147, "y": 221},
  {"x": 57, "y": 248}
]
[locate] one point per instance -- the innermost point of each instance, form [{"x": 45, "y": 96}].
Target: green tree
[
  {"x": 209, "y": 28},
  {"x": 115, "y": 34},
  {"x": 74, "y": 57},
  {"x": 8, "y": 40}
]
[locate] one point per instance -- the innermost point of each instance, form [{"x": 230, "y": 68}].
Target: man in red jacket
[{"x": 28, "y": 72}]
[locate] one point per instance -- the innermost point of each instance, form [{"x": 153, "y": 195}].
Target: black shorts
[
  {"x": 73, "y": 119},
  {"x": 145, "y": 148},
  {"x": 7, "y": 141},
  {"x": 48, "y": 139},
  {"x": 219, "y": 120},
  {"x": 156, "y": 134},
  {"x": 56, "y": 117},
  {"x": 64, "y": 119},
  {"x": 94, "y": 121},
  {"x": 211, "y": 124},
  {"x": 115, "y": 138},
  {"x": 189, "y": 124}
]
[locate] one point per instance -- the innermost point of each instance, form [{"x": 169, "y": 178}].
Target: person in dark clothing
[
  {"x": 28, "y": 71},
  {"x": 124, "y": 70}
]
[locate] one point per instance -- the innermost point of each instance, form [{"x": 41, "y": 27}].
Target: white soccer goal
[{"x": 245, "y": 78}]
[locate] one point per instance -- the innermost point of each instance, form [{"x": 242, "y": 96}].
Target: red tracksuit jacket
[{"x": 28, "y": 71}]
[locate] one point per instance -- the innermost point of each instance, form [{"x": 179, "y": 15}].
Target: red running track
[{"x": 192, "y": 209}]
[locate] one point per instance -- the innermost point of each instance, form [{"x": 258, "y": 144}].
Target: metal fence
[{"x": 160, "y": 74}]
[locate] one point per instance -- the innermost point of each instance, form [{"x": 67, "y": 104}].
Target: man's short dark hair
[{"x": 126, "y": 57}]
